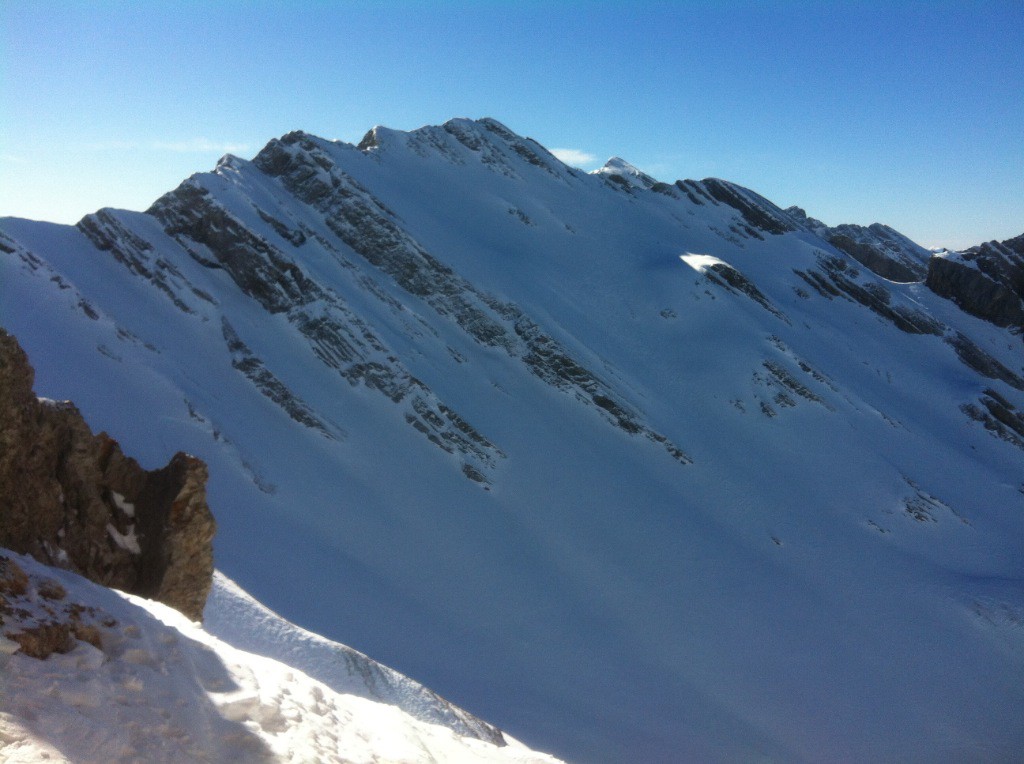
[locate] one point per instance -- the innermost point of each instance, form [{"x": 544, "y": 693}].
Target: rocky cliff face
[
  {"x": 986, "y": 281},
  {"x": 879, "y": 248},
  {"x": 73, "y": 499},
  {"x": 882, "y": 250}
]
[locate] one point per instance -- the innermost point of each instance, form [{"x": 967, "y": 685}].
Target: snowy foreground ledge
[{"x": 156, "y": 687}]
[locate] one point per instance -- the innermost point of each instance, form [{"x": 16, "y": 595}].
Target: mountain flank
[{"x": 639, "y": 470}]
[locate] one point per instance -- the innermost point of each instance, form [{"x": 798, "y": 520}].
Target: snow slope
[
  {"x": 659, "y": 471},
  {"x": 158, "y": 688}
]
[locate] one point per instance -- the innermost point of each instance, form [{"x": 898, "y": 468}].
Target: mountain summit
[{"x": 639, "y": 471}]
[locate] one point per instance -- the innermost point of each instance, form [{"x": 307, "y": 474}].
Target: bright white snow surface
[
  {"x": 701, "y": 263},
  {"x": 775, "y": 599},
  {"x": 163, "y": 689}
]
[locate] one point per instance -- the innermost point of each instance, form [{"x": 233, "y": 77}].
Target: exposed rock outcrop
[
  {"x": 836, "y": 277},
  {"x": 760, "y": 215},
  {"x": 73, "y": 499},
  {"x": 879, "y": 248},
  {"x": 304, "y": 166},
  {"x": 986, "y": 281}
]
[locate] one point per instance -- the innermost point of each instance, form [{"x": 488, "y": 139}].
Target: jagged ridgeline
[{"x": 562, "y": 444}]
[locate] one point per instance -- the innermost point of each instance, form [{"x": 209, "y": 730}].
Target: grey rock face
[
  {"x": 836, "y": 277},
  {"x": 190, "y": 214},
  {"x": 986, "y": 281},
  {"x": 999, "y": 416},
  {"x": 975, "y": 358},
  {"x": 730, "y": 278},
  {"x": 364, "y": 223},
  {"x": 881, "y": 250},
  {"x": 245, "y": 361},
  {"x": 73, "y": 499},
  {"x": 341, "y": 340},
  {"x": 108, "y": 234},
  {"x": 760, "y": 214}
]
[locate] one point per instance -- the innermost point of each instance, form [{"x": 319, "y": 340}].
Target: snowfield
[
  {"x": 466, "y": 410},
  {"x": 159, "y": 688}
]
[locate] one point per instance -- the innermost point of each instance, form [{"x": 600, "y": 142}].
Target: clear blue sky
[{"x": 911, "y": 114}]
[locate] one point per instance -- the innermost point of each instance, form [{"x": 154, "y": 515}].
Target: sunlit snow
[
  {"x": 701, "y": 263},
  {"x": 162, "y": 690},
  {"x": 835, "y": 577}
]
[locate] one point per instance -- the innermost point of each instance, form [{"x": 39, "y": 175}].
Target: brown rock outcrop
[{"x": 73, "y": 499}]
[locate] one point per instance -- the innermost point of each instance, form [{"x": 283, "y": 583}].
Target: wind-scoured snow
[{"x": 757, "y": 504}]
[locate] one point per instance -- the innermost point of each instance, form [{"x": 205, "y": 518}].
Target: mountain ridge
[{"x": 607, "y": 444}]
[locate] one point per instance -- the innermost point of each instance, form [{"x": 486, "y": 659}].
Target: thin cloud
[
  {"x": 12, "y": 159},
  {"x": 574, "y": 157}
]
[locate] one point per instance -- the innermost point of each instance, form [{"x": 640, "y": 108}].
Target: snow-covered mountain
[{"x": 635, "y": 470}]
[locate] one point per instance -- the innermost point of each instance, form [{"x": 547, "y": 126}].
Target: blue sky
[{"x": 911, "y": 114}]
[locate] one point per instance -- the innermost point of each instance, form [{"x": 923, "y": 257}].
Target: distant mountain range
[{"x": 637, "y": 471}]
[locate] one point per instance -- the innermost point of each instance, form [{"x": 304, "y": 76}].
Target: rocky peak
[
  {"x": 799, "y": 214},
  {"x": 465, "y": 141},
  {"x": 369, "y": 141},
  {"x": 620, "y": 171},
  {"x": 73, "y": 499}
]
